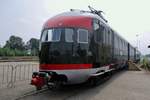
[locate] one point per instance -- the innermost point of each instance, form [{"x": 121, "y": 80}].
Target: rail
[{"x": 15, "y": 72}]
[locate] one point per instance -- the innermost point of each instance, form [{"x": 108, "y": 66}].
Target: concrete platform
[{"x": 125, "y": 85}]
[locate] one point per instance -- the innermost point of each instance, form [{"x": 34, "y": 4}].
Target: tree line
[{"x": 15, "y": 46}]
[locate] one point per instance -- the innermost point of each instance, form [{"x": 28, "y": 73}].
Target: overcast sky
[{"x": 25, "y": 18}]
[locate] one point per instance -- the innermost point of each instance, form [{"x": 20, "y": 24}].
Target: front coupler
[
  {"x": 50, "y": 79},
  {"x": 39, "y": 79}
]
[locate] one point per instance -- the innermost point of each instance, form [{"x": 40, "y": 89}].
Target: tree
[
  {"x": 1, "y": 52},
  {"x": 16, "y": 47},
  {"x": 15, "y": 42},
  {"x": 33, "y": 46}
]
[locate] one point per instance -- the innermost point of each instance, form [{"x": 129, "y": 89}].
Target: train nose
[
  {"x": 52, "y": 52},
  {"x": 63, "y": 53}
]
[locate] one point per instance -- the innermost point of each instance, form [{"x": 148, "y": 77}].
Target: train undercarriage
[{"x": 54, "y": 81}]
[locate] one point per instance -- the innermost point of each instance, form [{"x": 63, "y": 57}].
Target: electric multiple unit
[{"x": 77, "y": 46}]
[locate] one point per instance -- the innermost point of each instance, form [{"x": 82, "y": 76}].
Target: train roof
[
  {"x": 69, "y": 19},
  {"x": 74, "y": 15},
  {"x": 82, "y": 13}
]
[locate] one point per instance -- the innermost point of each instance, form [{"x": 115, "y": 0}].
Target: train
[{"x": 78, "y": 46}]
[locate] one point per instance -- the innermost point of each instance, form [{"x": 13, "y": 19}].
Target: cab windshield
[
  {"x": 51, "y": 35},
  {"x": 69, "y": 35}
]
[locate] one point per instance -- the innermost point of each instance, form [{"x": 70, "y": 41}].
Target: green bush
[
  {"x": 146, "y": 63},
  {"x": 11, "y": 52},
  {"x": 15, "y": 46}
]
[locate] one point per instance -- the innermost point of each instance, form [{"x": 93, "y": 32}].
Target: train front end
[{"x": 64, "y": 51}]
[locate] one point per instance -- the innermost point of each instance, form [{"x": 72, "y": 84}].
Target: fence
[{"x": 12, "y": 73}]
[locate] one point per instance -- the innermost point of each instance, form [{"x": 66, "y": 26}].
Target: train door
[
  {"x": 104, "y": 45},
  {"x": 97, "y": 46},
  {"x": 128, "y": 51}
]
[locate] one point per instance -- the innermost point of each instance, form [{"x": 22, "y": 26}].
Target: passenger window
[
  {"x": 117, "y": 42},
  {"x": 109, "y": 37},
  {"x": 82, "y": 36},
  {"x": 69, "y": 35},
  {"x": 104, "y": 36},
  {"x": 95, "y": 25}
]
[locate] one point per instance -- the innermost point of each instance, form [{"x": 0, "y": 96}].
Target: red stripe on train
[{"x": 64, "y": 66}]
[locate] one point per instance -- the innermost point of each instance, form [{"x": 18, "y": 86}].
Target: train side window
[
  {"x": 104, "y": 36},
  {"x": 96, "y": 25},
  {"x": 82, "y": 36},
  {"x": 116, "y": 44},
  {"x": 118, "y": 41},
  {"x": 120, "y": 46},
  {"x": 109, "y": 37},
  {"x": 69, "y": 35}
]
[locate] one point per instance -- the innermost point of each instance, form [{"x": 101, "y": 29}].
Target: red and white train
[{"x": 78, "y": 46}]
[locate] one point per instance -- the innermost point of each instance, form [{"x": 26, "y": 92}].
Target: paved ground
[
  {"x": 127, "y": 85},
  {"x": 16, "y": 71}
]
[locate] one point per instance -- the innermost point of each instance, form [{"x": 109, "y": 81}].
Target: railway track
[{"x": 30, "y": 93}]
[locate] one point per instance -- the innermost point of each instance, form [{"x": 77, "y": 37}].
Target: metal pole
[
  {"x": 137, "y": 40},
  {"x": 3, "y": 74}
]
